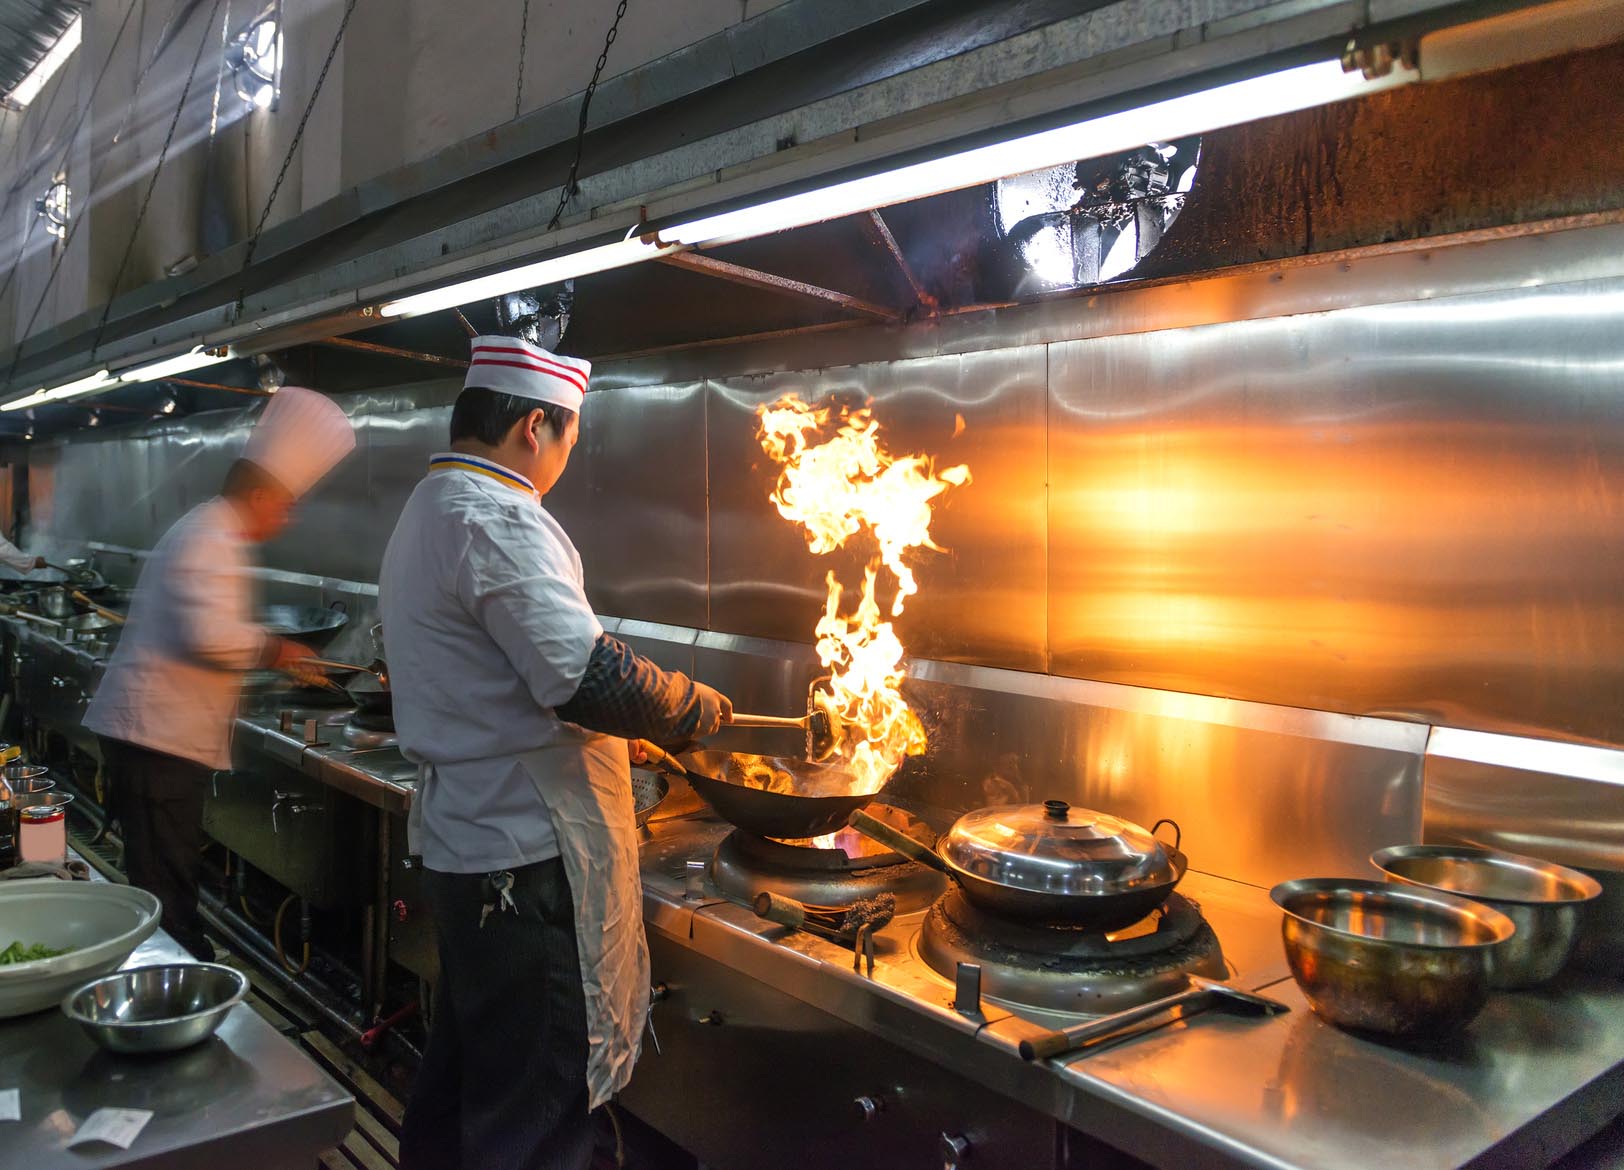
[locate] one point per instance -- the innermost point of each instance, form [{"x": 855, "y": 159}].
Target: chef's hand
[
  {"x": 638, "y": 750},
  {"x": 292, "y": 658},
  {"x": 715, "y": 709},
  {"x": 39, "y": 562}
]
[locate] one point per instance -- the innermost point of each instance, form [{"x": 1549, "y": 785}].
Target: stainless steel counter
[
  {"x": 380, "y": 777},
  {"x": 1537, "y": 1073},
  {"x": 247, "y": 1097}
]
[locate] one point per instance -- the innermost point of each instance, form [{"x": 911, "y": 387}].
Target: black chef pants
[
  {"x": 503, "y": 1081},
  {"x": 158, "y": 802}
]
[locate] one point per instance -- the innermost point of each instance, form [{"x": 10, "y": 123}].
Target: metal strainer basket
[{"x": 648, "y": 790}]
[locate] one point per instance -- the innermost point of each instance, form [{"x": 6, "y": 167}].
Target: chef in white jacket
[
  {"x": 15, "y": 558},
  {"x": 517, "y": 707},
  {"x": 168, "y": 700}
]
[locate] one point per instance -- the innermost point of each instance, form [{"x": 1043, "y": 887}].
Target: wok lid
[{"x": 1054, "y": 848}]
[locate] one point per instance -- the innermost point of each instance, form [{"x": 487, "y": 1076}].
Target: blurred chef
[
  {"x": 168, "y": 701},
  {"x": 517, "y": 707},
  {"x": 15, "y": 558}
]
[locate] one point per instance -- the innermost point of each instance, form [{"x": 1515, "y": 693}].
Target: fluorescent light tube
[
  {"x": 33, "y": 399},
  {"x": 1283, "y": 92},
  {"x": 55, "y": 57},
  {"x": 100, "y": 380},
  {"x": 1196, "y": 113},
  {"x": 195, "y": 359},
  {"x": 549, "y": 271}
]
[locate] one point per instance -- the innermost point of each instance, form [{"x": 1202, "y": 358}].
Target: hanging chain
[
  {"x": 570, "y": 186},
  {"x": 95, "y": 180},
  {"x": 293, "y": 146},
  {"x": 157, "y": 171},
  {"x": 524, "y": 34}
]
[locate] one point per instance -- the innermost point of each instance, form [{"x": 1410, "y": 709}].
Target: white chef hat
[
  {"x": 514, "y": 366},
  {"x": 301, "y": 437}
]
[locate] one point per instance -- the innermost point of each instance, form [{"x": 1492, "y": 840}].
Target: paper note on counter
[{"x": 118, "y": 1127}]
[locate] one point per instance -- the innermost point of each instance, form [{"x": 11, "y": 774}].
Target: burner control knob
[
  {"x": 868, "y": 1108},
  {"x": 955, "y": 1150},
  {"x": 400, "y": 909},
  {"x": 659, "y": 993}
]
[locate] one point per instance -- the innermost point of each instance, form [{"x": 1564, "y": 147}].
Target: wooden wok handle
[
  {"x": 897, "y": 840},
  {"x": 777, "y": 908},
  {"x": 110, "y": 614},
  {"x": 662, "y": 760},
  {"x": 785, "y": 721}
]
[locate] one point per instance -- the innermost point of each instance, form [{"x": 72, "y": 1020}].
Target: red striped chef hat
[{"x": 514, "y": 366}]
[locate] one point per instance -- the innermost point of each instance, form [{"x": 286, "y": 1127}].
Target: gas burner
[
  {"x": 1069, "y": 970},
  {"x": 367, "y": 732},
  {"x": 826, "y": 871}
]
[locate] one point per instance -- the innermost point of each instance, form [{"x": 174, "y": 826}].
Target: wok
[
  {"x": 1088, "y": 911},
  {"x": 310, "y": 624},
  {"x": 819, "y": 805},
  {"x": 368, "y": 687}
]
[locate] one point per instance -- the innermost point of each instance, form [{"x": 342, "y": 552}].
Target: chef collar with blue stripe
[{"x": 453, "y": 461}]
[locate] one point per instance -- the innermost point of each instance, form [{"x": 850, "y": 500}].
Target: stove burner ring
[
  {"x": 1067, "y": 970},
  {"x": 1177, "y": 921},
  {"x": 372, "y": 721},
  {"x": 745, "y": 865},
  {"x": 798, "y": 857}
]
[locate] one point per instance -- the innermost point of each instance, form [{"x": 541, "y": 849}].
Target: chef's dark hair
[{"x": 486, "y": 416}]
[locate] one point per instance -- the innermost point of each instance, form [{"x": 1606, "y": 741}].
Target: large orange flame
[{"x": 836, "y": 488}]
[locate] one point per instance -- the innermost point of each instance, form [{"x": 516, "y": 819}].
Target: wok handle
[
  {"x": 897, "y": 840},
  {"x": 662, "y": 760},
  {"x": 111, "y": 615},
  {"x": 1055, "y": 1043},
  {"x": 784, "y": 721},
  {"x": 331, "y": 664},
  {"x": 777, "y": 908}
]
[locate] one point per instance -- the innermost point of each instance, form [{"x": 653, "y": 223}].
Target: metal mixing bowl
[
  {"x": 156, "y": 1009},
  {"x": 1380, "y": 957},
  {"x": 1545, "y": 901}
]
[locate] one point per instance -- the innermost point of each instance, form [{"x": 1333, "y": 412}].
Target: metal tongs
[{"x": 854, "y": 924}]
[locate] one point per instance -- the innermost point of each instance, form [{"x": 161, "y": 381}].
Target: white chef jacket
[
  {"x": 486, "y": 629},
  {"x": 15, "y": 558},
  {"x": 174, "y": 681}
]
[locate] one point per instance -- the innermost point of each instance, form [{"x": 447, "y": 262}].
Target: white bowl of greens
[{"x": 55, "y": 935}]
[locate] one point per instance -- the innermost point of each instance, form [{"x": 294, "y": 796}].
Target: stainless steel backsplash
[{"x": 1388, "y": 487}]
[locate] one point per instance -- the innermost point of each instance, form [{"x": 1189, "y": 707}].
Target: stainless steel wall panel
[
  {"x": 1262, "y": 793},
  {"x": 983, "y": 600},
  {"x": 1406, "y": 509},
  {"x": 633, "y": 500}
]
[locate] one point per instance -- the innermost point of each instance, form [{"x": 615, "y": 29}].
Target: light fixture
[
  {"x": 195, "y": 359},
  {"x": 1282, "y": 92},
  {"x": 603, "y": 258},
  {"x": 55, "y": 57},
  {"x": 89, "y": 384},
  {"x": 168, "y": 406},
  {"x": 255, "y": 58},
  {"x": 54, "y": 207}
]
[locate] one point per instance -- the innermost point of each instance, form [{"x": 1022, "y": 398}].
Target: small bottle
[
  {"x": 43, "y": 835},
  {"x": 8, "y": 828}
]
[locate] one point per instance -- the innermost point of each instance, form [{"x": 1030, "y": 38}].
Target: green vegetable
[{"x": 17, "y": 953}]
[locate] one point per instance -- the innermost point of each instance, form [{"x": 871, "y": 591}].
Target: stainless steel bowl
[
  {"x": 1546, "y": 901},
  {"x": 156, "y": 1009},
  {"x": 1395, "y": 959}
]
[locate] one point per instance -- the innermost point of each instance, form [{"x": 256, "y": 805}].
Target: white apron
[{"x": 597, "y": 841}]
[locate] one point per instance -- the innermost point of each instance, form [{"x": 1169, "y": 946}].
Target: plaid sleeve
[{"x": 622, "y": 693}]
